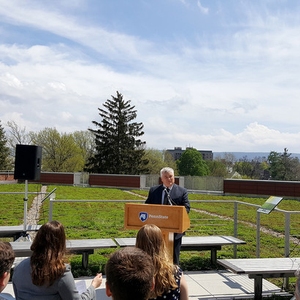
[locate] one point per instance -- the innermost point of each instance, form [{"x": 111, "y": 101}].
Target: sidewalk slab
[{"x": 221, "y": 285}]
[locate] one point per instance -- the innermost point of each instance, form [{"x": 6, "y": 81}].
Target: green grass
[
  {"x": 105, "y": 219},
  {"x": 12, "y": 205},
  {"x": 90, "y": 219}
]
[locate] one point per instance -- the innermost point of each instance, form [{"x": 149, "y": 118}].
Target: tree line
[{"x": 115, "y": 146}]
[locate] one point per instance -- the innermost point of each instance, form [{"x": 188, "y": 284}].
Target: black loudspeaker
[{"x": 28, "y": 161}]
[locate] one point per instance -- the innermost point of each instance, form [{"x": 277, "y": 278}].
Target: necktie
[{"x": 166, "y": 202}]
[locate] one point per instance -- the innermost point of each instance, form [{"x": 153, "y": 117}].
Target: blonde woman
[{"x": 169, "y": 279}]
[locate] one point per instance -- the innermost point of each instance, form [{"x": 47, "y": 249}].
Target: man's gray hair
[{"x": 166, "y": 170}]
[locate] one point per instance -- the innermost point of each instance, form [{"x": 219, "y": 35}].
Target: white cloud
[
  {"x": 254, "y": 138},
  {"x": 203, "y": 9},
  {"x": 235, "y": 89}
]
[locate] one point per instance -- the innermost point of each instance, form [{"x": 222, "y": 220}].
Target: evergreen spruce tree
[
  {"x": 118, "y": 147},
  {"x": 4, "y": 150}
]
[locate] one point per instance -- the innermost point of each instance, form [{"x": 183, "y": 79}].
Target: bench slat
[
  {"x": 198, "y": 243},
  {"x": 192, "y": 241},
  {"x": 15, "y": 231},
  {"x": 84, "y": 247},
  {"x": 213, "y": 240},
  {"x": 23, "y": 248},
  {"x": 90, "y": 244}
]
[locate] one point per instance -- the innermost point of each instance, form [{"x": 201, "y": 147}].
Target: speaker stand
[{"x": 24, "y": 236}]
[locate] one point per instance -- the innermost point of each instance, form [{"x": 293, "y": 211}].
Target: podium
[{"x": 169, "y": 218}]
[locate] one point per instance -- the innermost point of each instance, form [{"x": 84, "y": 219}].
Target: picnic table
[
  {"x": 259, "y": 268},
  {"x": 16, "y": 231},
  {"x": 198, "y": 243},
  {"x": 83, "y": 247}
]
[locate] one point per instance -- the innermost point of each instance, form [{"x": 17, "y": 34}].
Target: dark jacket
[{"x": 177, "y": 193}]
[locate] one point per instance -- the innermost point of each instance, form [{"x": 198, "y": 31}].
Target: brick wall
[
  {"x": 52, "y": 178},
  {"x": 114, "y": 180},
  {"x": 262, "y": 187},
  {"x": 4, "y": 176}
]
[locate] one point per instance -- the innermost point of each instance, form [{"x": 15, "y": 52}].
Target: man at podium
[{"x": 169, "y": 193}]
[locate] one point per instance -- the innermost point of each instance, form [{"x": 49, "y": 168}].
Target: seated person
[
  {"x": 297, "y": 288},
  {"x": 170, "y": 282},
  {"x": 129, "y": 275},
  {"x": 45, "y": 275},
  {"x": 7, "y": 257}
]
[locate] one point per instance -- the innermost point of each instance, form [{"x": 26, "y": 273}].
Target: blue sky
[{"x": 213, "y": 75}]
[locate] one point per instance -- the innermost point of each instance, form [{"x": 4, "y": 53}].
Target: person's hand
[{"x": 97, "y": 280}]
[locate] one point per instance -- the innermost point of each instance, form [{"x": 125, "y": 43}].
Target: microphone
[{"x": 171, "y": 202}]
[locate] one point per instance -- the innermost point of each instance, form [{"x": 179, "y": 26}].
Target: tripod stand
[{"x": 24, "y": 236}]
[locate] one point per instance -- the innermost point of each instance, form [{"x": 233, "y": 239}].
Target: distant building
[{"x": 177, "y": 152}]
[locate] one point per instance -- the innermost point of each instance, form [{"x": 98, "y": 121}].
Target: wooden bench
[
  {"x": 259, "y": 268},
  {"x": 198, "y": 243},
  {"x": 83, "y": 247},
  {"x": 17, "y": 231}
]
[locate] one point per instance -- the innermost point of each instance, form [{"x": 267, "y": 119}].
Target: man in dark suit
[{"x": 170, "y": 193}]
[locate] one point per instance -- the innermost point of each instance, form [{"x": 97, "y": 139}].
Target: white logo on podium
[{"x": 143, "y": 216}]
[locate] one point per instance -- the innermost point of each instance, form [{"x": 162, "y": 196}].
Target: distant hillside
[{"x": 249, "y": 155}]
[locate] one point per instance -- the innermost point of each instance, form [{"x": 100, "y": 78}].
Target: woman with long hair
[
  {"x": 169, "y": 279},
  {"x": 45, "y": 275}
]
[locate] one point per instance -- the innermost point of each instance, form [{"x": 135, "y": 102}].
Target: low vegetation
[{"x": 105, "y": 219}]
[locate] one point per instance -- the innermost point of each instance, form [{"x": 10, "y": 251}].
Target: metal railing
[
  {"x": 236, "y": 205},
  {"x": 287, "y": 222}
]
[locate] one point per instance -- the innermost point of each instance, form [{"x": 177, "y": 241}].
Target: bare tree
[
  {"x": 60, "y": 152},
  {"x": 17, "y": 135}
]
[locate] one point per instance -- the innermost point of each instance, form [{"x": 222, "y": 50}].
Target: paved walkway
[{"x": 221, "y": 285}]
